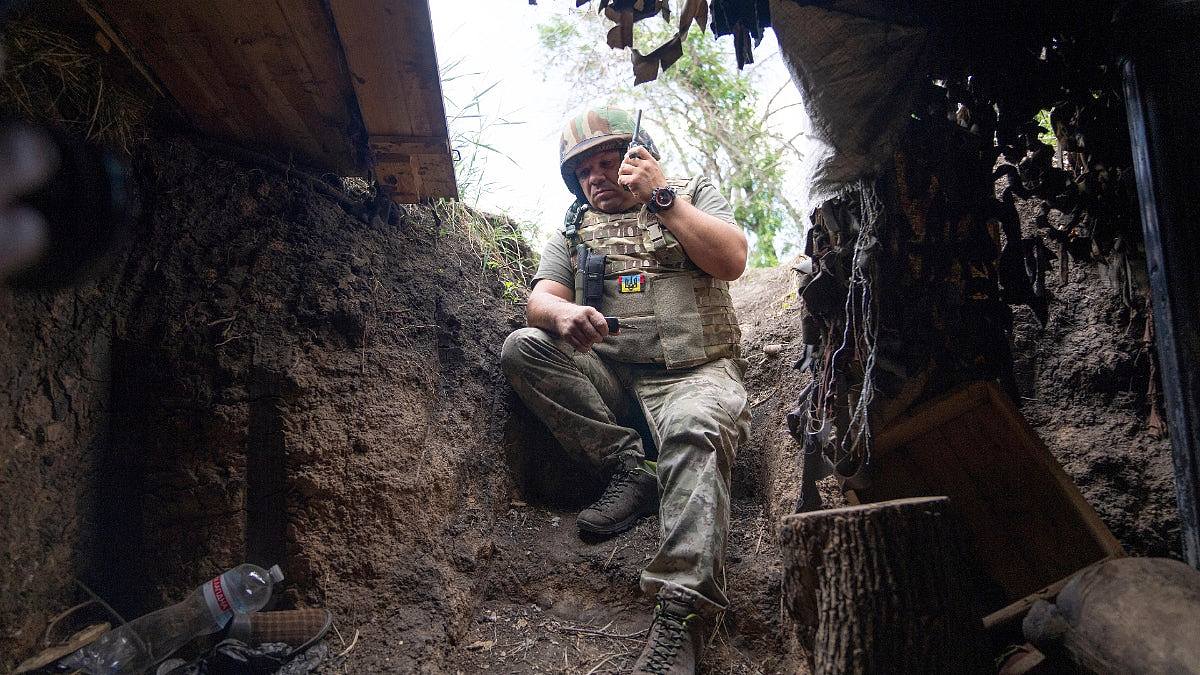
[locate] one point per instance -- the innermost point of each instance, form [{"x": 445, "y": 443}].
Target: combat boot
[
  {"x": 631, "y": 494},
  {"x": 674, "y": 642}
]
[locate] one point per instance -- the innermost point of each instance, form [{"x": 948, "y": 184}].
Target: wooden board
[
  {"x": 1014, "y": 612},
  {"x": 1024, "y": 518},
  {"x": 390, "y": 52},
  {"x": 264, "y": 74}
]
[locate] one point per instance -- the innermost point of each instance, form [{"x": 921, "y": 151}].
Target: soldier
[{"x": 657, "y": 254}]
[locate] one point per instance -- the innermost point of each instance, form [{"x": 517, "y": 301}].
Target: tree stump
[{"x": 878, "y": 588}]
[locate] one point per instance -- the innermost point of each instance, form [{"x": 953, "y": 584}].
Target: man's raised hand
[{"x": 641, "y": 173}]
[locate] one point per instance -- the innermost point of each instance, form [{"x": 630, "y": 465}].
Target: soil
[
  {"x": 55, "y": 406},
  {"x": 259, "y": 375},
  {"x": 345, "y": 376},
  {"x": 1085, "y": 380}
]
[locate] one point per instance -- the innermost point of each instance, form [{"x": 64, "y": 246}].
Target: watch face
[{"x": 663, "y": 197}]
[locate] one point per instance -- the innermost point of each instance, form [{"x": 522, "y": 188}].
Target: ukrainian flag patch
[{"x": 632, "y": 283}]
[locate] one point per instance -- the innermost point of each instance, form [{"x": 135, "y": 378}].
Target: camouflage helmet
[{"x": 592, "y": 131}]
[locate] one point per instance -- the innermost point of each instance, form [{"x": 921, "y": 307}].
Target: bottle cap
[{"x": 276, "y": 573}]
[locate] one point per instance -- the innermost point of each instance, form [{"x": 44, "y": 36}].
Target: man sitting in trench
[{"x": 660, "y": 253}]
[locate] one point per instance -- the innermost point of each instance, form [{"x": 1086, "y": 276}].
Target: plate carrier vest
[{"x": 682, "y": 317}]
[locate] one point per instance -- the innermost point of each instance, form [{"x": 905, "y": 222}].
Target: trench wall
[{"x": 258, "y": 375}]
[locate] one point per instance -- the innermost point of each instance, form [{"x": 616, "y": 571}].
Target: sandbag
[
  {"x": 1132, "y": 615},
  {"x": 858, "y": 71}
]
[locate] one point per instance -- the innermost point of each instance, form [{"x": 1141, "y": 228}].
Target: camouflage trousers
[{"x": 698, "y": 417}]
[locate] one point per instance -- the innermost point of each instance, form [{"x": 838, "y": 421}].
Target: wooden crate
[{"x": 1024, "y": 519}]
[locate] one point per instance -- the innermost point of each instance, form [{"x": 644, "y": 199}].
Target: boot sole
[{"x": 618, "y": 527}]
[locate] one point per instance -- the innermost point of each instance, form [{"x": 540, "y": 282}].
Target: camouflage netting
[{"x": 926, "y": 139}]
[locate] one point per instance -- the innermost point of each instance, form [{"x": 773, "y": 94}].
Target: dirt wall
[
  {"x": 56, "y": 368},
  {"x": 261, "y": 376},
  {"x": 334, "y": 383},
  {"x": 1085, "y": 383}
]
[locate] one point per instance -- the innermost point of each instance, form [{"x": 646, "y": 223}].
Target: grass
[
  {"x": 469, "y": 123},
  {"x": 503, "y": 249}
]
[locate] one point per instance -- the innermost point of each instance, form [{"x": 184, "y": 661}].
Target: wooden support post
[{"x": 878, "y": 588}]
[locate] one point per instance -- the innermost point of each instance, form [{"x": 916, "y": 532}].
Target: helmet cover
[{"x": 593, "y": 131}]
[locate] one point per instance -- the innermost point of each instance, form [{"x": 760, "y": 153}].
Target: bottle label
[{"x": 214, "y": 595}]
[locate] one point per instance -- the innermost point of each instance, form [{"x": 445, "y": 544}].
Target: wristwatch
[{"x": 661, "y": 199}]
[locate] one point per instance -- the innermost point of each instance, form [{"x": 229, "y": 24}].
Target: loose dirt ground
[{"x": 556, "y": 603}]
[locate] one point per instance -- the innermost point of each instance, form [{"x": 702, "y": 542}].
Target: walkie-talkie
[
  {"x": 633, "y": 141},
  {"x": 637, "y": 130}
]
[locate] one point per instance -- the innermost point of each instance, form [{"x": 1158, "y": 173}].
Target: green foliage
[
  {"x": 708, "y": 118},
  {"x": 724, "y": 126},
  {"x": 501, "y": 242},
  {"x": 1047, "y": 135},
  {"x": 504, "y": 251}
]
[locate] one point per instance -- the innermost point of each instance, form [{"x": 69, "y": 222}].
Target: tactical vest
[{"x": 671, "y": 312}]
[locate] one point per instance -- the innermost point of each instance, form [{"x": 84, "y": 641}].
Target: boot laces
[
  {"x": 617, "y": 487},
  {"x": 667, "y": 635}
]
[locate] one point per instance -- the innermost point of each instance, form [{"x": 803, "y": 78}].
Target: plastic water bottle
[{"x": 145, "y": 641}]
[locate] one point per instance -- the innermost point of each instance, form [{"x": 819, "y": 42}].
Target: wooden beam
[
  {"x": 390, "y": 52},
  {"x": 387, "y": 146},
  {"x": 413, "y": 167}
]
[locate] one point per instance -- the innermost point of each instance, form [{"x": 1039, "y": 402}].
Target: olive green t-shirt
[{"x": 556, "y": 256}]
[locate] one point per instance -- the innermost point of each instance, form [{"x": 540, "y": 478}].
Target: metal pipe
[{"x": 1160, "y": 66}]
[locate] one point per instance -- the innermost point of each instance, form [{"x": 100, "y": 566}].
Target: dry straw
[{"x": 50, "y": 78}]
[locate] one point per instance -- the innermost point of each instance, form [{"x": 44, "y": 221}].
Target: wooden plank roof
[
  {"x": 400, "y": 101},
  {"x": 348, "y": 89}
]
